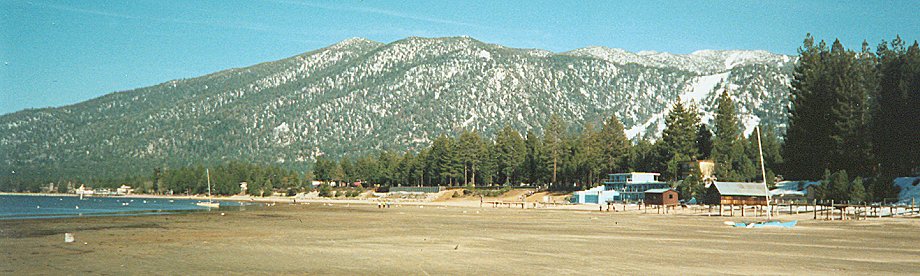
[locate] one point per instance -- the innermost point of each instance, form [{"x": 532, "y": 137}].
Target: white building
[{"x": 124, "y": 190}]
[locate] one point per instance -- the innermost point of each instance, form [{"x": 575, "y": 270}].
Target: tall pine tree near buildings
[
  {"x": 678, "y": 140},
  {"x": 807, "y": 138},
  {"x": 588, "y": 155},
  {"x": 615, "y": 146},
  {"x": 728, "y": 149},
  {"x": 895, "y": 114},
  {"x": 851, "y": 79},
  {"x": 829, "y": 112},
  {"x": 704, "y": 141}
]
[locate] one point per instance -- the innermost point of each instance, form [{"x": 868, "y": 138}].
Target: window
[{"x": 670, "y": 196}]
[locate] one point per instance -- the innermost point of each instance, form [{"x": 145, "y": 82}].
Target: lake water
[{"x": 31, "y": 207}]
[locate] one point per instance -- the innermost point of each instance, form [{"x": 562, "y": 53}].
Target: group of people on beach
[{"x": 381, "y": 204}]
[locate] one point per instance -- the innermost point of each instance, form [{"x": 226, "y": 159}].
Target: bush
[
  {"x": 325, "y": 190},
  {"x": 491, "y": 193},
  {"x": 353, "y": 192}
]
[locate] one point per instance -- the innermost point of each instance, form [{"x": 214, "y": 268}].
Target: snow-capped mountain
[
  {"x": 357, "y": 96},
  {"x": 702, "y": 62}
]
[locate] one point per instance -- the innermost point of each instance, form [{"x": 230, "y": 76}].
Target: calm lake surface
[{"x": 32, "y": 207}]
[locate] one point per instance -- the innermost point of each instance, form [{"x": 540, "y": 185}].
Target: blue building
[
  {"x": 596, "y": 195},
  {"x": 632, "y": 186}
]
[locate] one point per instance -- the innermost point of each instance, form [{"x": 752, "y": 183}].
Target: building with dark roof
[{"x": 736, "y": 193}]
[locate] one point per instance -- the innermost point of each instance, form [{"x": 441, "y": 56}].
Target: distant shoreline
[{"x": 240, "y": 198}]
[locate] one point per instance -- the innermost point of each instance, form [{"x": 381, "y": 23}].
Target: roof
[
  {"x": 632, "y": 173},
  {"x": 777, "y": 192},
  {"x": 658, "y": 191},
  {"x": 796, "y": 185},
  {"x": 741, "y": 188}
]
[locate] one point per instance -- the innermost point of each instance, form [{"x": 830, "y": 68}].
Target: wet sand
[{"x": 361, "y": 239}]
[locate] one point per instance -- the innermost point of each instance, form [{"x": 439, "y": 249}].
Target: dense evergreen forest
[
  {"x": 854, "y": 113},
  {"x": 854, "y": 121}
]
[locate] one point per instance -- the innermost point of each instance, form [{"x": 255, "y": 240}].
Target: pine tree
[
  {"x": 447, "y": 163},
  {"x": 554, "y": 131},
  {"x": 728, "y": 151},
  {"x": 535, "y": 160},
  {"x": 615, "y": 146},
  {"x": 835, "y": 186},
  {"x": 404, "y": 169},
  {"x": 678, "y": 140},
  {"x": 324, "y": 168},
  {"x": 470, "y": 150},
  {"x": 807, "y": 136},
  {"x": 488, "y": 167},
  {"x": 643, "y": 156},
  {"x": 704, "y": 141},
  {"x": 771, "y": 153},
  {"x": 895, "y": 114},
  {"x": 589, "y": 156},
  {"x": 848, "y": 117},
  {"x": 510, "y": 153},
  {"x": 856, "y": 191}
]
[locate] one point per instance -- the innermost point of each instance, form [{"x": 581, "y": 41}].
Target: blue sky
[{"x": 55, "y": 53}]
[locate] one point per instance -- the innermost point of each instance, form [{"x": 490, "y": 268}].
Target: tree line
[
  {"x": 226, "y": 178},
  {"x": 855, "y": 112},
  {"x": 563, "y": 158}
]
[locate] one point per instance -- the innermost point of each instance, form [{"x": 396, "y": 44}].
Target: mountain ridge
[{"x": 358, "y": 96}]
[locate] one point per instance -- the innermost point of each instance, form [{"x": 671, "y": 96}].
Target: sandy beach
[{"x": 350, "y": 239}]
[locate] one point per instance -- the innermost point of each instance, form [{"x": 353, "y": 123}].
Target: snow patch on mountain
[
  {"x": 702, "y": 62},
  {"x": 703, "y": 87},
  {"x": 483, "y": 54}
]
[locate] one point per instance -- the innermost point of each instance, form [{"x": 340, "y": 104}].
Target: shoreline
[{"x": 408, "y": 240}]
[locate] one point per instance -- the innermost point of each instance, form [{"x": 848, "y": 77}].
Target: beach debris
[
  {"x": 68, "y": 237},
  {"x": 221, "y": 214},
  {"x": 464, "y": 212},
  {"x": 477, "y": 212},
  {"x": 76, "y": 207},
  {"x": 457, "y": 247},
  {"x": 729, "y": 223},
  {"x": 38, "y": 207}
]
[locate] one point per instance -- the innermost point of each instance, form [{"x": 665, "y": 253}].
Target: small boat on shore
[{"x": 764, "y": 224}]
